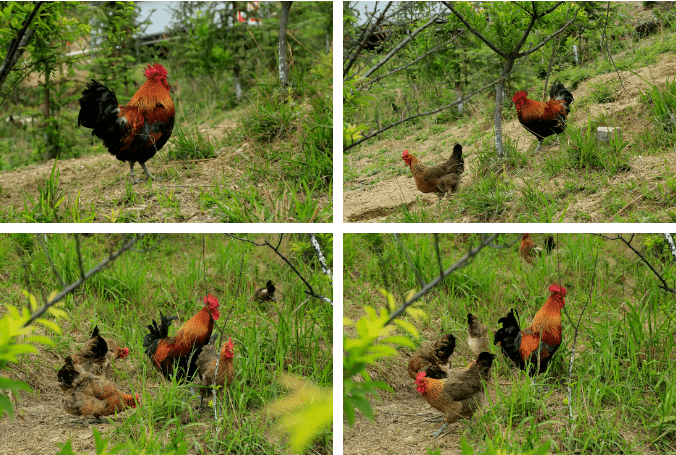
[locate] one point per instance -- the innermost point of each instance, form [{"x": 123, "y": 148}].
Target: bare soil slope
[
  {"x": 101, "y": 180},
  {"x": 373, "y": 198}
]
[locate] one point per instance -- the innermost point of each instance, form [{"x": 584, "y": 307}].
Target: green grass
[
  {"x": 278, "y": 140},
  {"x": 294, "y": 335},
  {"x": 562, "y": 174},
  {"x": 623, "y": 386}
]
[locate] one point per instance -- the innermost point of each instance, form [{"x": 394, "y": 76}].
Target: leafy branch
[{"x": 374, "y": 338}]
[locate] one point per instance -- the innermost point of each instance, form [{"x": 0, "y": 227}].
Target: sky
[{"x": 159, "y": 19}]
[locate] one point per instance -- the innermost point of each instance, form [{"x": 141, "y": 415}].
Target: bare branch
[
  {"x": 79, "y": 255},
  {"x": 432, "y": 284},
  {"x": 664, "y": 284},
  {"x": 436, "y": 247},
  {"x": 322, "y": 260},
  {"x": 607, "y": 48},
  {"x": 69, "y": 289},
  {"x": 373, "y": 81},
  {"x": 399, "y": 46},
  {"x": 475, "y": 32},
  {"x": 309, "y": 290},
  {"x": 433, "y": 111},
  {"x": 672, "y": 247}
]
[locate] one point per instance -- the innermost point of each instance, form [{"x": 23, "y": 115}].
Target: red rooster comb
[
  {"x": 228, "y": 347},
  {"x": 404, "y": 154},
  {"x": 519, "y": 95},
  {"x": 211, "y": 300},
  {"x": 557, "y": 289},
  {"x": 212, "y": 303},
  {"x": 156, "y": 70},
  {"x": 124, "y": 352}
]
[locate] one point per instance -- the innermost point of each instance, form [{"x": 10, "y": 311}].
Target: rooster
[
  {"x": 97, "y": 354},
  {"x": 528, "y": 250},
  {"x": 442, "y": 178},
  {"x": 461, "y": 393},
  {"x": 432, "y": 358},
  {"x": 90, "y": 395},
  {"x": 544, "y": 119},
  {"x": 266, "y": 294},
  {"x": 521, "y": 346},
  {"x": 206, "y": 364},
  {"x": 477, "y": 335},
  {"x": 180, "y": 352},
  {"x": 134, "y": 132}
]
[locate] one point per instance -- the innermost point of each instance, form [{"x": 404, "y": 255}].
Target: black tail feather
[
  {"x": 457, "y": 151},
  {"x": 559, "y": 92},
  {"x": 157, "y": 333},
  {"x": 67, "y": 374},
  {"x": 549, "y": 243},
  {"x": 99, "y": 110},
  {"x": 509, "y": 337},
  {"x": 271, "y": 288}
]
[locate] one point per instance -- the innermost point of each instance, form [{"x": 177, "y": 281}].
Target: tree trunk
[
  {"x": 283, "y": 66},
  {"x": 499, "y": 96},
  {"x": 48, "y": 127}
]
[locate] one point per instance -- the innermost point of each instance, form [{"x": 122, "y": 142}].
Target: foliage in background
[
  {"x": 168, "y": 273},
  {"x": 622, "y": 378}
]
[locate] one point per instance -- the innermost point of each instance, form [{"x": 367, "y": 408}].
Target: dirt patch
[
  {"x": 100, "y": 181},
  {"x": 40, "y": 422},
  {"x": 374, "y": 198}
]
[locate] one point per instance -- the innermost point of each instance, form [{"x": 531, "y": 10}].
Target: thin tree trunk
[
  {"x": 283, "y": 65},
  {"x": 18, "y": 44},
  {"x": 499, "y": 94},
  {"x": 48, "y": 128}
]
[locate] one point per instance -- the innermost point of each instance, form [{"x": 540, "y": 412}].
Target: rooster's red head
[
  {"x": 228, "y": 348},
  {"x": 558, "y": 292},
  {"x": 212, "y": 303},
  {"x": 158, "y": 73},
  {"x": 406, "y": 157},
  {"x": 519, "y": 98},
  {"x": 421, "y": 382},
  {"x": 122, "y": 353},
  {"x": 525, "y": 236}
]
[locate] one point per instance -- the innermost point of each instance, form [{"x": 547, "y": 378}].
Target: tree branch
[
  {"x": 475, "y": 32},
  {"x": 664, "y": 284},
  {"x": 322, "y": 260},
  {"x": 432, "y": 284},
  {"x": 18, "y": 43},
  {"x": 309, "y": 290},
  {"x": 672, "y": 247},
  {"x": 69, "y": 289},
  {"x": 41, "y": 239},
  {"x": 433, "y": 111},
  {"x": 399, "y": 46}
]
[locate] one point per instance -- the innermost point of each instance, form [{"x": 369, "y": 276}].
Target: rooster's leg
[
  {"x": 440, "y": 429},
  {"x": 538, "y": 147},
  {"x": 131, "y": 171},
  {"x": 145, "y": 169}
]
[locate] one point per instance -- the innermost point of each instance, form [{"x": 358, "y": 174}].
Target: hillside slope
[{"x": 379, "y": 195}]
